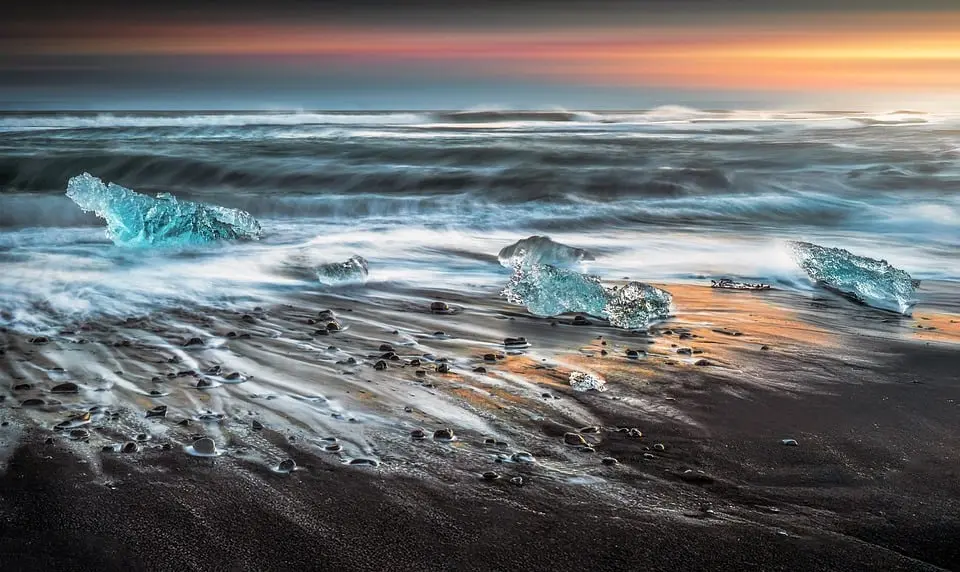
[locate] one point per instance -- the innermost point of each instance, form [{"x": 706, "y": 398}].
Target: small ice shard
[
  {"x": 134, "y": 219},
  {"x": 549, "y": 291},
  {"x": 351, "y": 271},
  {"x": 727, "y": 284},
  {"x": 542, "y": 250},
  {"x": 636, "y": 305},
  {"x": 866, "y": 280},
  {"x": 581, "y": 381}
]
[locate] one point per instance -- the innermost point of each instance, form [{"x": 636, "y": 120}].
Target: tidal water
[{"x": 428, "y": 199}]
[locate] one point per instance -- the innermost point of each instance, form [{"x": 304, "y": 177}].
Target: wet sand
[{"x": 872, "y": 401}]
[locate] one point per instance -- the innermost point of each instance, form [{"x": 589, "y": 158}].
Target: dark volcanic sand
[{"x": 873, "y": 485}]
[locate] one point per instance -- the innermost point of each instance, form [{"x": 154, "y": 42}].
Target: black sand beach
[{"x": 872, "y": 482}]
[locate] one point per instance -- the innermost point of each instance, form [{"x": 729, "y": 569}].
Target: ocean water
[{"x": 670, "y": 194}]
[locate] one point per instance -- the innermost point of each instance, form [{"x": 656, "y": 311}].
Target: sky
[{"x": 418, "y": 54}]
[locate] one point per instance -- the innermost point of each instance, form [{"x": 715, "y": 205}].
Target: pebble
[
  {"x": 256, "y": 425},
  {"x": 789, "y": 442},
  {"x": 574, "y": 439},
  {"x": 415, "y": 362},
  {"x": 205, "y": 446},
  {"x": 380, "y": 365},
  {"x": 287, "y": 466},
  {"x": 142, "y": 437},
  {"x": 515, "y": 342},
  {"x": 333, "y": 327},
  {"x": 517, "y": 481},
  {"x": 659, "y": 447},
  {"x": 490, "y": 476},
  {"x": 31, "y": 402},
  {"x": 521, "y": 457},
  {"x": 490, "y": 357},
  {"x": 480, "y": 369},
  {"x": 579, "y": 320},
  {"x": 649, "y": 456},
  {"x": 418, "y": 434},
  {"x": 635, "y": 433},
  {"x": 39, "y": 340},
  {"x": 702, "y": 362},
  {"x": 48, "y": 441},
  {"x": 22, "y": 387},
  {"x": 764, "y": 348},
  {"x": 386, "y": 348},
  {"x": 183, "y": 422},
  {"x": 193, "y": 342},
  {"x": 107, "y": 449},
  {"x": 158, "y": 411},
  {"x": 420, "y": 373},
  {"x": 609, "y": 461},
  {"x": 696, "y": 477},
  {"x": 130, "y": 447},
  {"x": 335, "y": 448},
  {"x": 232, "y": 375},
  {"x": 203, "y": 384},
  {"x": 67, "y": 387},
  {"x": 439, "y": 307},
  {"x": 444, "y": 434},
  {"x": 361, "y": 461},
  {"x": 443, "y": 368},
  {"x": 685, "y": 351}
]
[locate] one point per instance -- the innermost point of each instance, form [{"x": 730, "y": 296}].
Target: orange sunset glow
[{"x": 880, "y": 52}]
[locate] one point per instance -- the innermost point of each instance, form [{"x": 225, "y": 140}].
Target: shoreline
[{"x": 871, "y": 401}]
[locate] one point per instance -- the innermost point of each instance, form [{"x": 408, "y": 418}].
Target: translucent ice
[
  {"x": 542, "y": 250},
  {"x": 636, "y": 305},
  {"x": 134, "y": 219},
  {"x": 872, "y": 282},
  {"x": 581, "y": 381},
  {"x": 352, "y": 271},
  {"x": 548, "y": 291}
]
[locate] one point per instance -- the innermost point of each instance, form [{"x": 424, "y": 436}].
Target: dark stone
[
  {"x": 22, "y": 387},
  {"x": 633, "y": 354},
  {"x": 231, "y": 334},
  {"x": 256, "y": 425},
  {"x": 323, "y": 332},
  {"x": 156, "y": 393},
  {"x": 203, "y": 384},
  {"x": 420, "y": 373},
  {"x": 142, "y": 437},
  {"x": 333, "y": 327},
  {"x": 364, "y": 462},
  {"x": 490, "y": 476},
  {"x": 158, "y": 411},
  {"x": 685, "y": 351},
  {"x": 685, "y": 335},
  {"x": 480, "y": 369},
  {"x": 213, "y": 370},
  {"x": 334, "y": 448},
  {"x": 166, "y": 447},
  {"x": 659, "y": 447},
  {"x": 79, "y": 434},
  {"x": 439, "y": 307},
  {"x": 609, "y": 461},
  {"x": 703, "y": 362},
  {"x": 490, "y": 357},
  {"x": 184, "y": 423},
  {"x": 67, "y": 387},
  {"x": 39, "y": 340},
  {"x": 696, "y": 477},
  {"x": 635, "y": 433},
  {"x": 415, "y": 362},
  {"x": 513, "y": 342},
  {"x": 193, "y": 342},
  {"x": 130, "y": 447},
  {"x": 326, "y": 315},
  {"x": 603, "y": 352},
  {"x": 48, "y": 441},
  {"x": 764, "y": 348},
  {"x": 233, "y": 375},
  {"x": 107, "y": 449},
  {"x": 418, "y": 434},
  {"x": 443, "y": 434},
  {"x": 31, "y": 403},
  {"x": 579, "y": 320},
  {"x": 574, "y": 439},
  {"x": 287, "y": 465},
  {"x": 380, "y": 365},
  {"x": 248, "y": 318},
  {"x": 386, "y": 348}
]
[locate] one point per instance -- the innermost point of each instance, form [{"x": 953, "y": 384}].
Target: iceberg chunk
[
  {"x": 582, "y": 381},
  {"x": 636, "y": 305},
  {"x": 351, "y": 271},
  {"x": 542, "y": 250},
  {"x": 134, "y": 219},
  {"x": 866, "y": 280},
  {"x": 548, "y": 291}
]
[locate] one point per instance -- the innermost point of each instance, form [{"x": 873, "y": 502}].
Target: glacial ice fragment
[
  {"x": 866, "y": 280},
  {"x": 581, "y": 381},
  {"x": 636, "y": 305},
  {"x": 541, "y": 250},
  {"x": 549, "y": 291},
  {"x": 351, "y": 271},
  {"x": 134, "y": 219}
]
